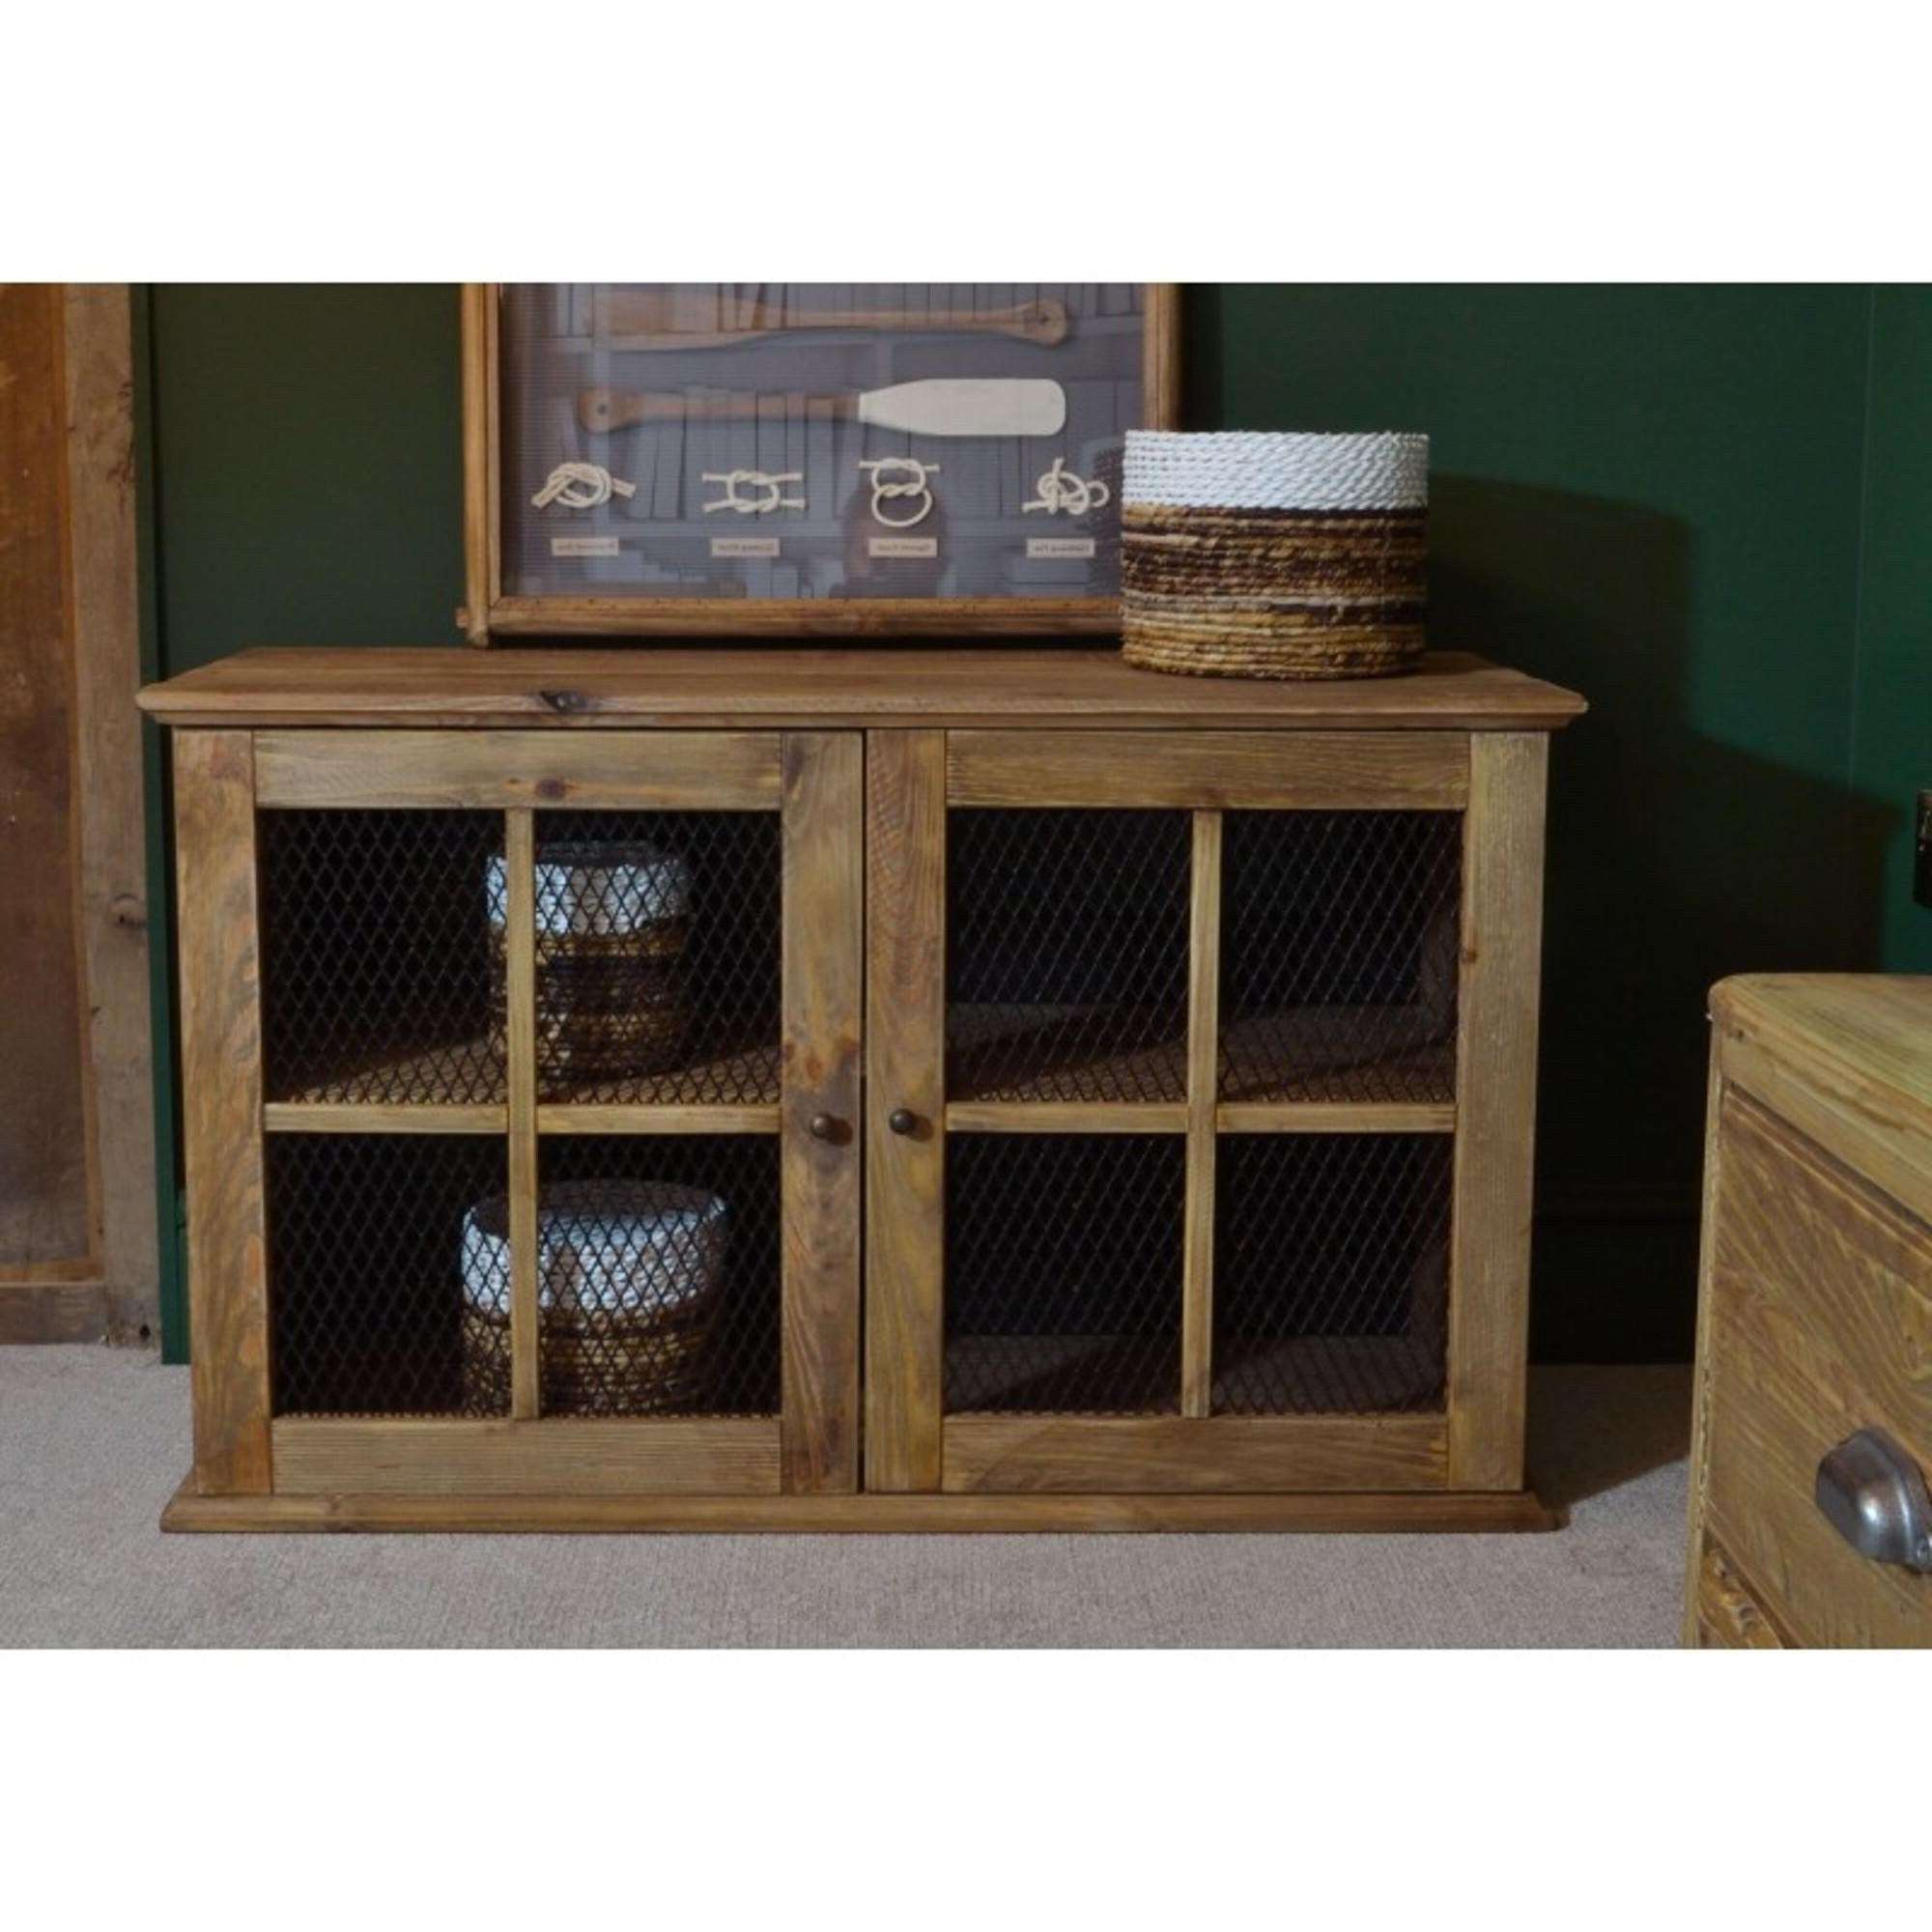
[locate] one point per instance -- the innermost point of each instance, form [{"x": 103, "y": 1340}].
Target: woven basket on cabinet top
[{"x": 1265, "y": 554}]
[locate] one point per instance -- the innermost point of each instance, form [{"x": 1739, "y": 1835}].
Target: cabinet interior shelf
[
  {"x": 416, "y": 1084},
  {"x": 1362, "y": 1065},
  {"x": 1309, "y": 1070},
  {"x": 1311, "y": 1375}
]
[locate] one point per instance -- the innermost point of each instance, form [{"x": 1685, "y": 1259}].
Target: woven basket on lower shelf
[
  {"x": 1273, "y": 556},
  {"x": 629, "y": 1275},
  {"x": 612, "y": 925}
]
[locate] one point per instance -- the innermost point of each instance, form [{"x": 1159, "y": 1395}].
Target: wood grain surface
[
  {"x": 48, "y": 1185},
  {"x": 1204, "y": 1074},
  {"x": 1495, "y": 1109},
  {"x": 220, "y": 971},
  {"x": 823, "y": 860},
  {"x": 481, "y": 461},
  {"x": 1311, "y": 770},
  {"x": 717, "y": 771},
  {"x": 1226, "y": 1454},
  {"x": 520, "y": 998},
  {"x": 1821, "y": 1325},
  {"x": 105, "y": 600},
  {"x": 905, "y": 1068},
  {"x": 1418, "y": 1511},
  {"x": 422, "y": 1456},
  {"x": 1845, "y": 1057},
  {"x": 813, "y": 690}
]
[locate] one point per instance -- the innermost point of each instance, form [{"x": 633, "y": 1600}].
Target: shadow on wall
[{"x": 1674, "y": 859}]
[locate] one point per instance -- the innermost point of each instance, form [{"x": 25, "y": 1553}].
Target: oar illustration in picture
[
  {"x": 946, "y": 406},
  {"x": 642, "y": 319}
]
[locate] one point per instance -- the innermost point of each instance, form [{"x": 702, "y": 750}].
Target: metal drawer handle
[{"x": 1873, "y": 1495}]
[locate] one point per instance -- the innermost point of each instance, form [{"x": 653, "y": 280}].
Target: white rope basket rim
[
  {"x": 601, "y": 887},
  {"x": 612, "y": 1247},
  {"x": 1276, "y": 470}
]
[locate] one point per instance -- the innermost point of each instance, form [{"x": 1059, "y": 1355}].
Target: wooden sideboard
[
  {"x": 1815, "y": 1321},
  {"x": 1182, "y": 1032}
]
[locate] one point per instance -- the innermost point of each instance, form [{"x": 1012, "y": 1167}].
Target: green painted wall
[
  {"x": 1654, "y": 495},
  {"x": 1706, "y": 508},
  {"x": 308, "y": 457},
  {"x": 1891, "y": 715}
]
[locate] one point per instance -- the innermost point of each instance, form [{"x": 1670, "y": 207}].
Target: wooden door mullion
[
  {"x": 519, "y": 933},
  {"x": 1203, "y": 1034}
]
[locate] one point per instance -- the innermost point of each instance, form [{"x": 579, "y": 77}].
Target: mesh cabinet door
[
  {"x": 1168, "y": 1201},
  {"x": 543, "y": 1083}
]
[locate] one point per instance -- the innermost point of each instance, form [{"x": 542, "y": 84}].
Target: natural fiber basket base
[
  {"x": 1273, "y": 592},
  {"x": 596, "y": 1363},
  {"x": 608, "y": 1006},
  {"x": 1380, "y": 656}
]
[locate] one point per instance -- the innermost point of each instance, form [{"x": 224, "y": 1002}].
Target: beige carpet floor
[{"x": 93, "y": 1440}]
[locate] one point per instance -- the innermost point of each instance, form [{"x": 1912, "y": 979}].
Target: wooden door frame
[
  {"x": 915, "y": 778},
  {"x": 111, "y": 1291},
  {"x": 812, "y": 783}
]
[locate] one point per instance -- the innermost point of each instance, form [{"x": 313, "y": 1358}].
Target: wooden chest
[
  {"x": 1182, "y": 1032},
  {"x": 1815, "y": 1323}
]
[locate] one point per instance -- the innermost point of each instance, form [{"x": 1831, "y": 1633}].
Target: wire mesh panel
[
  {"x": 658, "y": 952},
  {"x": 1330, "y": 1273},
  {"x": 1062, "y": 1273},
  {"x": 376, "y": 959},
  {"x": 1340, "y": 955},
  {"x": 368, "y": 1272},
  {"x": 1066, "y": 961},
  {"x": 659, "y": 1275}
]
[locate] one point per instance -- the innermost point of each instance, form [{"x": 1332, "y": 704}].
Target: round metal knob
[
  {"x": 824, "y": 1128},
  {"x": 902, "y": 1119}
]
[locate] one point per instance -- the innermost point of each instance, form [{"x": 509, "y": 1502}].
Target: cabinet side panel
[
  {"x": 905, "y": 1068},
  {"x": 1495, "y": 1101},
  {"x": 824, "y": 940},
  {"x": 221, "y": 1109}
]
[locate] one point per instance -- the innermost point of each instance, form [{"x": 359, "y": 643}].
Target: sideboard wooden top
[{"x": 721, "y": 688}]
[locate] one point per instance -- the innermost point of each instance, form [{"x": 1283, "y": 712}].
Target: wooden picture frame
[{"x": 489, "y": 614}]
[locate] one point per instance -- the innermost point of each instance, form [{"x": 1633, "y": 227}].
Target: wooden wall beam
[{"x": 79, "y": 1258}]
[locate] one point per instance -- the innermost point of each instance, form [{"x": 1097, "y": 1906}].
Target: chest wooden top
[
  {"x": 722, "y": 688},
  {"x": 1847, "y": 1057}
]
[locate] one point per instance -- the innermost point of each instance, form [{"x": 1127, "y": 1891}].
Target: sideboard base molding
[{"x": 887, "y": 1515}]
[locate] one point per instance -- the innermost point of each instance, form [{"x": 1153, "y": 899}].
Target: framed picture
[{"x": 803, "y": 460}]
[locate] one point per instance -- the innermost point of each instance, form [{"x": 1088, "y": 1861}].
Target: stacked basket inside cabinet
[{"x": 987, "y": 1090}]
